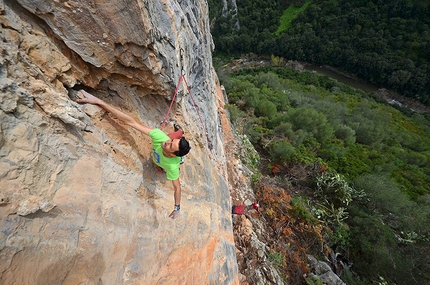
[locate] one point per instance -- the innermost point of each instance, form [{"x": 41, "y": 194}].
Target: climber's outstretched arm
[{"x": 126, "y": 119}]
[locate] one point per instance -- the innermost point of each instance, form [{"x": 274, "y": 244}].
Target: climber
[{"x": 166, "y": 151}]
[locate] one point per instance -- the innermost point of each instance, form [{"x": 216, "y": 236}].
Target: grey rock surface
[{"x": 81, "y": 200}]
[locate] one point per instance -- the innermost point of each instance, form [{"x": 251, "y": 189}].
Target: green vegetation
[
  {"x": 386, "y": 43},
  {"x": 254, "y": 24},
  {"x": 276, "y": 258},
  {"x": 289, "y": 15},
  {"x": 349, "y": 129},
  {"x": 366, "y": 187},
  {"x": 368, "y": 166},
  {"x": 313, "y": 280}
]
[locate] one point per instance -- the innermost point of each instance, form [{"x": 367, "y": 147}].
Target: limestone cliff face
[{"x": 81, "y": 202}]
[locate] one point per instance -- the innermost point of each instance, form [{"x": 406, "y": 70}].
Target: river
[{"x": 341, "y": 78}]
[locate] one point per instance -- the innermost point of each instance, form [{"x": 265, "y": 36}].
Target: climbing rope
[{"x": 182, "y": 78}]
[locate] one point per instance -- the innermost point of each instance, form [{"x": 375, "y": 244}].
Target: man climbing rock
[{"x": 167, "y": 149}]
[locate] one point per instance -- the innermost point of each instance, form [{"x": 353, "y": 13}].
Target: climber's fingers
[
  {"x": 88, "y": 98},
  {"x": 174, "y": 214}
]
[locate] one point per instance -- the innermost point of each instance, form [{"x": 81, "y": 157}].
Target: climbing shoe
[{"x": 178, "y": 127}]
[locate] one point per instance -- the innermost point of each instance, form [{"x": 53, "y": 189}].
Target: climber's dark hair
[{"x": 184, "y": 147}]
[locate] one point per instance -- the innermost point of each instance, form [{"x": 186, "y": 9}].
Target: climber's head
[
  {"x": 184, "y": 147},
  {"x": 176, "y": 147}
]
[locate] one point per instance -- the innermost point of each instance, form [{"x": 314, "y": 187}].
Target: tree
[
  {"x": 312, "y": 122},
  {"x": 265, "y": 108},
  {"x": 282, "y": 151},
  {"x": 345, "y": 133}
]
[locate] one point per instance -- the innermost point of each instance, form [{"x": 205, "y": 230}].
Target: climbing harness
[{"x": 182, "y": 78}]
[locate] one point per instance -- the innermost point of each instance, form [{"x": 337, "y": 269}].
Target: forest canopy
[{"x": 386, "y": 43}]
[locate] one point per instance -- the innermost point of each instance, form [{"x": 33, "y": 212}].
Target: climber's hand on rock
[
  {"x": 174, "y": 214},
  {"x": 88, "y": 98}
]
